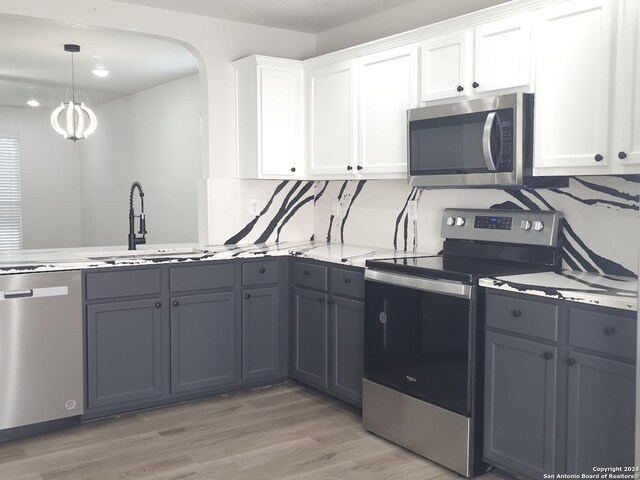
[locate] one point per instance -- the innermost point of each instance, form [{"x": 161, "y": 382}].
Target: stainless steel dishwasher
[{"x": 41, "y": 374}]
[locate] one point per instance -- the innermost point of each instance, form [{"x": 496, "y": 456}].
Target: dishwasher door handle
[
  {"x": 18, "y": 294},
  {"x": 35, "y": 293}
]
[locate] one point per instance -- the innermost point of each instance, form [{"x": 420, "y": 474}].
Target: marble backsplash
[{"x": 601, "y": 215}]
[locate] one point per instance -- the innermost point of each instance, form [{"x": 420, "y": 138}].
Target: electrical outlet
[
  {"x": 335, "y": 207},
  {"x": 254, "y": 207},
  {"x": 412, "y": 211}
]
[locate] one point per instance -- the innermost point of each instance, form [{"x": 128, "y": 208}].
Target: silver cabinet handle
[{"x": 486, "y": 142}]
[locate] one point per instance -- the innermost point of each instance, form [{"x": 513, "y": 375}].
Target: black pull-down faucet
[{"x": 133, "y": 240}]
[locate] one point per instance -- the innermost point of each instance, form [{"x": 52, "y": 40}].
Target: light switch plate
[
  {"x": 254, "y": 207},
  {"x": 335, "y": 207},
  {"x": 412, "y": 211}
]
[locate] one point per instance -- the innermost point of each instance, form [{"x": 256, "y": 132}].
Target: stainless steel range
[{"x": 424, "y": 330}]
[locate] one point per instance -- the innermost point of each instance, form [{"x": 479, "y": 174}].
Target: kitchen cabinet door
[
  {"x": 502, "y": 55},
  {"x": 311, "y": 321},
  {"x": 270, "y": 123},
  {"x": 124, "y": 342},
  {"x": 280, "y": 117},
  {"x": 446, "y": 66},
  {"x": 202, "y": 341},
  {"x": 260, "y": 333},
  {"x": 573, "y": 88},
  {"x": 347, "y": 349},
  {"x": 333, "y": 119},
  {"x": 388, "y": 87},
  {"x": 520, "y": 404},
  {"x": 601, "y": 408},
  {"x": 625, "y": 150}
]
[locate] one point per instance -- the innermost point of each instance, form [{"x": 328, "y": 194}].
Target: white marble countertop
[
  {"x": 49, "y": 260},
  {"x": 591, "y": 288},
  {"x": 603, "y": 290}
]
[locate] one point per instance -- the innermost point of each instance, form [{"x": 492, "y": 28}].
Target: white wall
[
  {"x": 50, "y": 179},
  {"x": 400, "y": 19},
  {"x": 153, "y": 137},
  {"x": 215, "y": 42}
]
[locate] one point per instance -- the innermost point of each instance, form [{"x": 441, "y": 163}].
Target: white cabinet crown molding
[
  {"x": 265, "y": 60},
  {"x": 467, "y": 21}
]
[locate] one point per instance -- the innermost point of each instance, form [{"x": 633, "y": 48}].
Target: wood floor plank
[
  {"x": 12, "y": 452},
  {"x": 283, "y": 432}
]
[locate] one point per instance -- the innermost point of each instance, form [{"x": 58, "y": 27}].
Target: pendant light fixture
[{"x": 73, "y": 120}]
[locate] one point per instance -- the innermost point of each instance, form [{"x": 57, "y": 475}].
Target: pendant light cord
[{"x": 73, "y": 80}]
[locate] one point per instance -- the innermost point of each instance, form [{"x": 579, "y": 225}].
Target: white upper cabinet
[
  {"x": 502, "y": 55},
  {"x": 493, "y": 56},
  {"x": 573, "y": 88},
  {"x": 625, "y": 151},
  {"x": 446, "y": 69},
  {"x": 332, "y": 119},
  {"x": 270, "y": 118},
  {"x": 387, "y": 88},
  {"x": 343, "y": 115}
]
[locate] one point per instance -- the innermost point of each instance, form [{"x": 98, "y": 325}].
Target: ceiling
[
  {"x": 34, "y": 65},
  {"x": 311, "y": 16}
]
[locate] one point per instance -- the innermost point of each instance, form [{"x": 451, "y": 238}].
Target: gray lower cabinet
[
  {"x": 328, "y": 316},
  {"x": 559, "y": 386},
  {"x": 601, "y": 412},
  {"x": 124, "y": 342},
  {"x": 261, "y": 333},
  {"x": 161, "y": 334},
  {"x": 202, "y": 341},
  {"x": 520, "y": 398},
  {"x": 347, "y": 348},
  {"x": 310, "y": 329}
]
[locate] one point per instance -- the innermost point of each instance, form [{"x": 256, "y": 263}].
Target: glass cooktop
[{"x": 458, "y": 269}]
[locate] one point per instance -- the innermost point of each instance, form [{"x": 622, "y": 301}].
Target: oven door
[
  {"x": 474, "y": 143},
  {"x": 418, "y": 338}
]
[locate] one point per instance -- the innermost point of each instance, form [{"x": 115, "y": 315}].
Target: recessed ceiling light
[
  {"x": 33, "y": 103},
  {"x": 100, "y": 72}
]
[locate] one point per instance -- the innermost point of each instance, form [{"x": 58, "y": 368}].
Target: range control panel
[
  {"x": 493, "y": 223},
  {"x": 506, "y": 226}
]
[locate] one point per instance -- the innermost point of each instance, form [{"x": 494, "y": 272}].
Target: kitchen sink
[{"x": 128, "y": 255}]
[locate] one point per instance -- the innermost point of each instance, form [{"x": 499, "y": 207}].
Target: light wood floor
[{"x": 283, "y": 432}]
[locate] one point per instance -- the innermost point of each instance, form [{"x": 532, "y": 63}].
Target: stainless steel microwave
[{"x": 486, "y": 142}]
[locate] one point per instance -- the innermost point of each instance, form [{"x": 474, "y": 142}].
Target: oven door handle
[
  {"x": 443, "y": 287},
  {"x": 486, "y": 141}
]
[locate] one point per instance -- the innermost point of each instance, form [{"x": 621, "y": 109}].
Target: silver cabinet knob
[
  {"x": 451, "y": 221},
  {"x": 525, "y": 225},
  {"x": 538, "y": 225},
  {"x": 460, "y": 221}
]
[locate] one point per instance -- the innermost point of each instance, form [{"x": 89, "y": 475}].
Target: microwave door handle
[{"x": 486, "y": 142}]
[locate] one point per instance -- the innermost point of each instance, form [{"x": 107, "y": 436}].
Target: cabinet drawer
[
  {"x": 259, "y": 273},
  {"x": 347, "y": 282},
  {"x": 129, "y": 283},
  {"x": 602, "y": 331},
  {"x": 201, "y": 277},
  {"x": 526, "y": 317},
  {"x": 309, "y": 275}
]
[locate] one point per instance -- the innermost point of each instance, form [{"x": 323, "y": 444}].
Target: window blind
[{"x": 10, "y": 211}]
